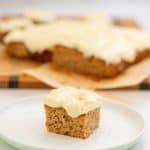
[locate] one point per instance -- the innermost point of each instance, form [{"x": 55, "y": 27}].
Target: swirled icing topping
[{"x": 75, "y": 101}]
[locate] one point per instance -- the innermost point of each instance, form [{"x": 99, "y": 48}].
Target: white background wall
[{"x": 138, "y": 9}]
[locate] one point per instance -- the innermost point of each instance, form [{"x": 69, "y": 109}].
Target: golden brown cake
[
  {"x": 81, "y": 47},
  {"x": 20, "y": 50},
  {"x": 73, "y": 60},
  {"x": 92, "y": 46},
  {"x": 26, "y": 51},
  {"x": 73, "y": 112}
]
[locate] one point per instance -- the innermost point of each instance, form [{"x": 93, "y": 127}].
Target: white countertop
[{"x": 140, "y": 100}]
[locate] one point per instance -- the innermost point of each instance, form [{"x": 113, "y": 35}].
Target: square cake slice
[{"x": 73, "y": 112}]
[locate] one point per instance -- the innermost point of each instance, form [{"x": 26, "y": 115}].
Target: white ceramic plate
[{"x": 23, "y": 125}]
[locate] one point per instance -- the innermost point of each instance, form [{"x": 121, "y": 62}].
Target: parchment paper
[{"x": 133, "y": 76}]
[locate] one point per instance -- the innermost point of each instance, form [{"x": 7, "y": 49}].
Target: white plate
[{"x": 23, "y": 125}]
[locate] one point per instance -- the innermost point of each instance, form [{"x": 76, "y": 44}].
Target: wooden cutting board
[
  {"x": 25, "y": 81},
  {"x": 22, "y": 81}
]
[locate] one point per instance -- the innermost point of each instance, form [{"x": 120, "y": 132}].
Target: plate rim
[{"x": 121, "y": 146}]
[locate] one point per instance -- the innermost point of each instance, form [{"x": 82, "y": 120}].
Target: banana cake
[
  {"x": 72, "y": 112},
  {"x": 89, "y": 48},
  {"x": 20, "y": 49}
]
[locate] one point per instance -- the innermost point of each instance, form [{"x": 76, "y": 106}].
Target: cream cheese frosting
[
  {"x": 109, "y": 43},
  {"x": 75, "y": 101},
  {"x": 39, "y": 15},
  {"x": 16, "y": 22}
]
